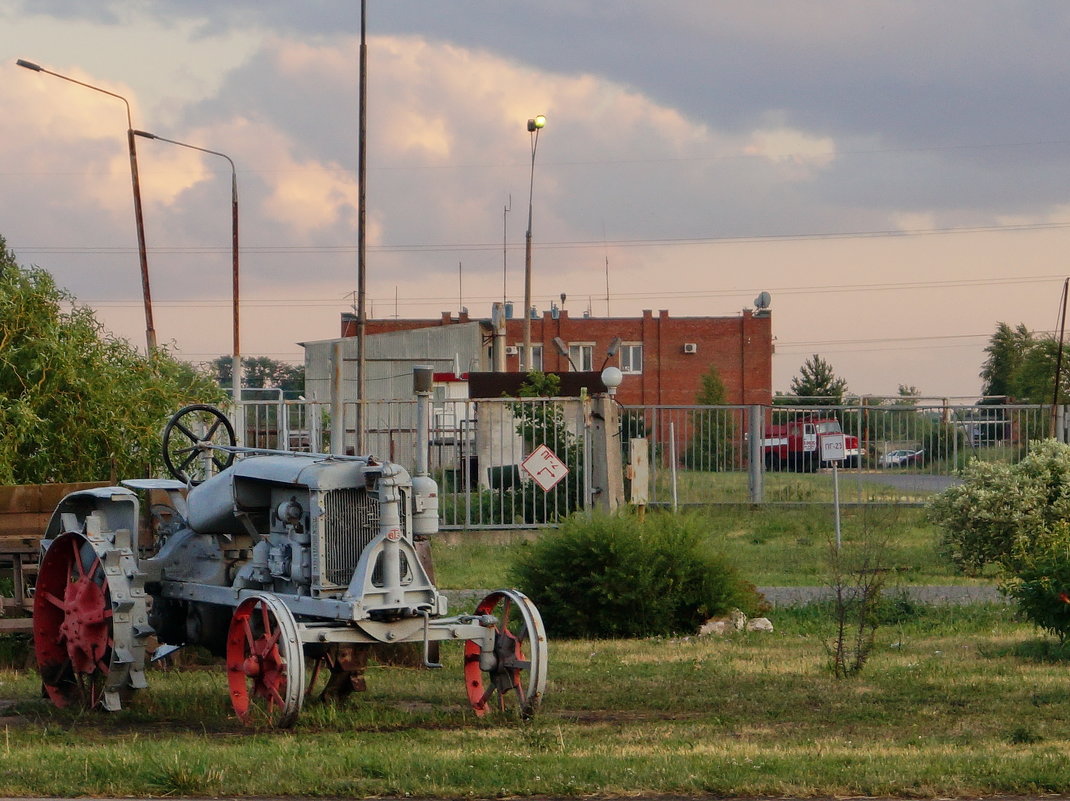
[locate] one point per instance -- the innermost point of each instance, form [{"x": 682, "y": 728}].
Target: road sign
[
  {"x": 833, "y": 448},
  {"x": 544, "y": 467}
]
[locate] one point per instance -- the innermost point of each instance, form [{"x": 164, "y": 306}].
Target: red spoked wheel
[
  {"x": 265, "y": 663},
  {"x": 73, "y": 625},
  {"x": 513, "y": 675}
]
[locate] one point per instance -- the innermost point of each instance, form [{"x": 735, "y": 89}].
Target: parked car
[{"x": 902, "y": 458}]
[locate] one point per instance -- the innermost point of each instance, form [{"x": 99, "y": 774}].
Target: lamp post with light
[
  {"x": 236, "y": 348},
  {"x": 535, "y": 124},
  {"x": 150, "y": 329}
]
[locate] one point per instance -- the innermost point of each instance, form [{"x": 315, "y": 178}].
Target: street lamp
[
  {"x": 535, "y": 124},
  {"x": 236, "y": 350},
  {"x": 150, "y": 330}
]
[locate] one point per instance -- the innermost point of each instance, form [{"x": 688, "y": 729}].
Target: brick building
[{"x": 663, "y": 358}]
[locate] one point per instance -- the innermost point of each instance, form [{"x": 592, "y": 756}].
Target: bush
[
  {"x": 1015, "y": 517},
  {"x": 998, "y": 513},
  {"x": 612, "y": 576}
]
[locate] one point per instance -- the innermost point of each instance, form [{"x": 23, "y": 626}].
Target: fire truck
[{"x": 796, "y": 445}]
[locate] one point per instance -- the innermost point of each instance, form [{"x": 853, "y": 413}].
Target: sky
[{"x": 894, "y": 173}]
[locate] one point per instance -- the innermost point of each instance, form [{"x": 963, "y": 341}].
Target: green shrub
[
  {"x": 1041, "y": 581},
  {"x": 612, "y": 576},
  {"x": 1016, "y": 517},
  {"x": 997, "y": 514}
]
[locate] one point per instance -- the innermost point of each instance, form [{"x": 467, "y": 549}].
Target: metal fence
[{"x": 698, "y": 455}]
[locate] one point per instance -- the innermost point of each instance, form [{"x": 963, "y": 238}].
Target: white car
[{"x": 901, "y": 458}]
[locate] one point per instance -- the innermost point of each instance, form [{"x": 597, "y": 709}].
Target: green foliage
[
  {"x": 612, "y": 576},
  {"x": 1005, "y": 352},
  {"x": 1021, "y": 366},
  {"x": 76, "y": 403},
  {"x": 1041, "y": 584},
  {"x": 1016, "y": 517},
  {"x": 818, "y": 384},
  {"x": 999, "y": 513},
  {"x": 712, "y": 446},
  {"x": 540, "y": 385},
  {"x": 261, "y": 372}
]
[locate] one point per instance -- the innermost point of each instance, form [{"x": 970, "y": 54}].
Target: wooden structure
[{"x": 24, "y": 514}]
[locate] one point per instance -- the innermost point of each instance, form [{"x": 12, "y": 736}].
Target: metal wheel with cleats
[
  {"x": 84, "y": 618},
  {"x": 516, "y": 677},
  {"x": 265, "y": 663},
  {"x": 188, "y": 441}
]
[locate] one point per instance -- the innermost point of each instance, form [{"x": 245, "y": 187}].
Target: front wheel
[
  {"x": 517, "y": 676},
  {"x": 265, "y": 663}
]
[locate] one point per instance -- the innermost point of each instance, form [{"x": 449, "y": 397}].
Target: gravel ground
[
  {"x": 925, "y": 594},
  {"x": 796, "y": 596}
]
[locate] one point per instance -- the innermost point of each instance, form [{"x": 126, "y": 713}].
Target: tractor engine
[{"x": 295, "y": 525}]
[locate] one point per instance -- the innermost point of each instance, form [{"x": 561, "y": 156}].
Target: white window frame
[
  {"x": 582, "y": 355},
  {"x": 631, "y": 348},
  {"x": 536, "y": 356}
]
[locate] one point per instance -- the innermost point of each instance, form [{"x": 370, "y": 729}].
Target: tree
[
  {"x": 259, "y": 372},
  {"x": 1006, "y": 351},
  {"x": 712, "y": 444},
  {"x": 817, "y": 384},
  {"x": 77, "y": 403}
]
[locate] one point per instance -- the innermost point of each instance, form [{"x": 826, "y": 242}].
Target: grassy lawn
[
  {"x": 955, "y": 702},
  {"x": 698, "y": 486},
  {"x": 771, "y": 546}
]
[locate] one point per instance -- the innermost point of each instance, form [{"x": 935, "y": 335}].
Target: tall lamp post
[
  {"x": 535, "y": 124},
  {"x": 150, "y": 330},
  {"x": 236, "y": 350}
]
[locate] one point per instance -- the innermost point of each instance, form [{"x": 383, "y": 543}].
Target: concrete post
[
  {"x": 755, "y": 461},
  {"x": 607, "y": 470}
]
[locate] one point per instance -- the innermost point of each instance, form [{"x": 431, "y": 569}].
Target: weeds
[{"x": 857, "y": 574}]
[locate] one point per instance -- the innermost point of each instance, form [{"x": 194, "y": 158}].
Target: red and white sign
[{"x": 544, "y": 467}]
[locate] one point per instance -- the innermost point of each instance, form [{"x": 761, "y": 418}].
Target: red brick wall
[{"x": 740, "y": 347}]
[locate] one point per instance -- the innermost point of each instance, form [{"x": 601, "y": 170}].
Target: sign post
[{"x": 833, "y": 450}]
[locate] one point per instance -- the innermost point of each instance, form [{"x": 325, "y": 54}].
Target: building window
[
  {"x": 536, "y": 357},
  {"x": 581, "y": 356},
  {"x": 631, "y": 357}
]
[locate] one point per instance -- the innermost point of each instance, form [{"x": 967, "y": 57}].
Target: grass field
[
  {"x": 955, "y": 702},
  {"x": 770, "y": 546}
]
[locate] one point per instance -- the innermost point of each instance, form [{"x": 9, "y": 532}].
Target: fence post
[
  {"x": 607, "y": 479},
  {"x": 755, "y": 463}
]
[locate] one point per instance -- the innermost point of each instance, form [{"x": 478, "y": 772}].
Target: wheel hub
[{"x": 84, "y": 628}]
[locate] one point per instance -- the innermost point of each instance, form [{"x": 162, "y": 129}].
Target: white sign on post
[
  {"x": 544, "y": 467},
  {"x": 833, "y": 448}
]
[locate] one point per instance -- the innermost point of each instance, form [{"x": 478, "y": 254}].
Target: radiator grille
[{"x": 351, "y": 521}]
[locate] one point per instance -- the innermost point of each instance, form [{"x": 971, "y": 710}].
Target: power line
[
  {"x": 563, "y": 245},
  {"x": 666, "y": 295}
]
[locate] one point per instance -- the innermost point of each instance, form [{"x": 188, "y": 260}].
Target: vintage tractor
[{"x": 273, "y": 560}]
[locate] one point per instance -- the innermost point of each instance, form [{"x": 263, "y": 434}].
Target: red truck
[{"x": 795, "y": 445}]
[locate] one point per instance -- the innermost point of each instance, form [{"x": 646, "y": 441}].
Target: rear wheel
[{"x": 87, "y": 654}]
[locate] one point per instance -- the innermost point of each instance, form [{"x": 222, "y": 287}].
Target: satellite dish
[{"x": 762, "y": 301}]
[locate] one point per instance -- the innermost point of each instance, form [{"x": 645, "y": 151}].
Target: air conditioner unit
[
  {"x": 690, "y": 347},
  {"x": 511, "y": 350}
]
